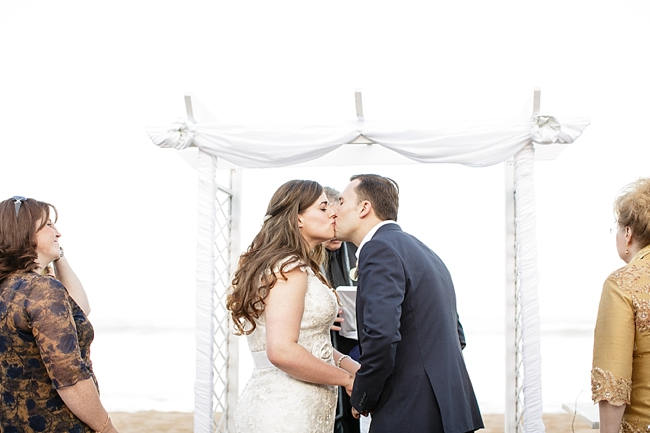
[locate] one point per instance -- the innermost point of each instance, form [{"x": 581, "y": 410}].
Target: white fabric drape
[
  {"x": 526, "y": 281},
  {"x": 252, "y": 148}
]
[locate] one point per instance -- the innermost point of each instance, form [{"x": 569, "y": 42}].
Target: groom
[{"x": 412, "y": 376}]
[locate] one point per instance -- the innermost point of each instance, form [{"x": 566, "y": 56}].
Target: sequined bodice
[
  {"x": 273, "y": 401},
  {"x": 319, "y": 314}
]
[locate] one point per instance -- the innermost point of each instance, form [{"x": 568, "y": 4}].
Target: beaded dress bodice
[{"x": 273, "y": 401}]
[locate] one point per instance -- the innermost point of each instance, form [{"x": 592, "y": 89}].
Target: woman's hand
[
  {"x": 82, "y": 399},
  {"x": 349, "y": 385},
  {"x": 337, "y": 322},
  {"x": 110, "y": 429},
  {"x": 67, "y": 276}
]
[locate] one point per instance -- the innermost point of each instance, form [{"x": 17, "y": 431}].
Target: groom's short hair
[{"x": 381, "y": 191}]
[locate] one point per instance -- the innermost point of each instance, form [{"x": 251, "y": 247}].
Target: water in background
[
  {"x": 145, "y": 368},
  {"x": 153, "y": 368}
]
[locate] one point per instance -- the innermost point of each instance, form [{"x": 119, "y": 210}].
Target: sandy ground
[
  {"x": 181, "y": 422},
  {"x": 152, "y": 421}
]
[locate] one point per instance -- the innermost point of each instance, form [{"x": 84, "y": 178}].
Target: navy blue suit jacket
[{"x": 413, "y": 376}]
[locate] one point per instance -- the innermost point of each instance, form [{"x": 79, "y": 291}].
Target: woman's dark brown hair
[
  {"x": 20, "y": 220},
  {"x": 278, "y": 239}
]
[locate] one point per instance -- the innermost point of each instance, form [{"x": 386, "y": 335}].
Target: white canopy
[
  {"x": 271, "y": 147},
  {"x": 257, "y": 148}
]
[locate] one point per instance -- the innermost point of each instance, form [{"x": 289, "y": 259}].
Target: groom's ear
[{"x": 365, "y": 209}]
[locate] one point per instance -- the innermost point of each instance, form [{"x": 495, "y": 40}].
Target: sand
[
  {"x": 181, "y": 422},
  {"x": 152, "y": 421}
]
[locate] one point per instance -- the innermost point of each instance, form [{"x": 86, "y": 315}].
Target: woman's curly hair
[
  {"x": 278, "y": 240},
  {"x": 632, "y": 209},
  {"x": 18, "y": 233}
]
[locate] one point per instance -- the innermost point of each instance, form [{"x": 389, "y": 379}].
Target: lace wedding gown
[{"x": 273, "y": 401}]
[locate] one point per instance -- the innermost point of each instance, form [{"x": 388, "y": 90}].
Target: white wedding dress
[{"x": 273, "y": 401}]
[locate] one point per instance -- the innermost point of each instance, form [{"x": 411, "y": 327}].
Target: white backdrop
[{"x": 80, "y": 82}]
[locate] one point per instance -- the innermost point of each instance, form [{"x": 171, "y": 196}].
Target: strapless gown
[{"x": 274, "y": 402}]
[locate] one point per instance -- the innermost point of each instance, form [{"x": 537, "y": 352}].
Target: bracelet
[
  {"x": 106, "y": 423},
  {"x": 338, "y": 363}
]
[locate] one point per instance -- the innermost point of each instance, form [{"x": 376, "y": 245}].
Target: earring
[{"x": 627, "y": 251}]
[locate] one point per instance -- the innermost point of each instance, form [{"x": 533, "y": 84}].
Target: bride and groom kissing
[{"x": 412, "y": 375}]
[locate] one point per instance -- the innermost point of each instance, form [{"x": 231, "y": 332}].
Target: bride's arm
[
  {"x": 283, "y": 312},
  {"x": 346, "y": 363}
]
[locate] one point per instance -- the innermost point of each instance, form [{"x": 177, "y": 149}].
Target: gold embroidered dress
[{"x": 621, "y": 364}]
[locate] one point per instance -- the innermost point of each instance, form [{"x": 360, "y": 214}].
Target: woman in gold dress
[{"x": 620, "y": 378}]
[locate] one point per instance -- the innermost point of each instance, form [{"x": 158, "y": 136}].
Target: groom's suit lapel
[{"x": 382, "y": 231}]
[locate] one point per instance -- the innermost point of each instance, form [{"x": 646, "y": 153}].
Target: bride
[{"x": 280, "y": 299}]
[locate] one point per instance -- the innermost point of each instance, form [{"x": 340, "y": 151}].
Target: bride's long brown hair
[{"x": 278, "y": 239}]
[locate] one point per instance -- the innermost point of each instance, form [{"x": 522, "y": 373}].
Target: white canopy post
[
  {"x": 526, "y": 264},
  {"x": 523, "y": 359},
  {"x": 205, "y": 283},
  {"x": 216, "y": 383},
  {"x": 358, "y": 102}
]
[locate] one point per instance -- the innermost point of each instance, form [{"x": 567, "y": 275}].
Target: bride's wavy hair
[
  {"x": 20, "y": 220},
  {"x": 278, "y": 239}
]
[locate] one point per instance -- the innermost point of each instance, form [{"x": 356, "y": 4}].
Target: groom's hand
[{"x": 356, "y": 413}]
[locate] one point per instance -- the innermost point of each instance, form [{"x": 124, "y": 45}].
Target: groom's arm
[{"x": 383, "y": 283}]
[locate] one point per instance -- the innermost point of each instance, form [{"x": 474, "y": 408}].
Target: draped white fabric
[
  {"x": 259, "y": 148},
  {"x": 526, "y": 280}
]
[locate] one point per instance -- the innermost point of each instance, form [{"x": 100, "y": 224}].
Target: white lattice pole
[
  {"x": 232, "y": 389},
  {"x": 226, "y": 246},
  {"x": 205, "y": 283}
]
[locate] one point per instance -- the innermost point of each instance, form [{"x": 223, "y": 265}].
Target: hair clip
[{"x": 18, "y": 200}]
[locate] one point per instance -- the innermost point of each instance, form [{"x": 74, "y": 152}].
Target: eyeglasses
[{"x": 18, "y": 200}]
